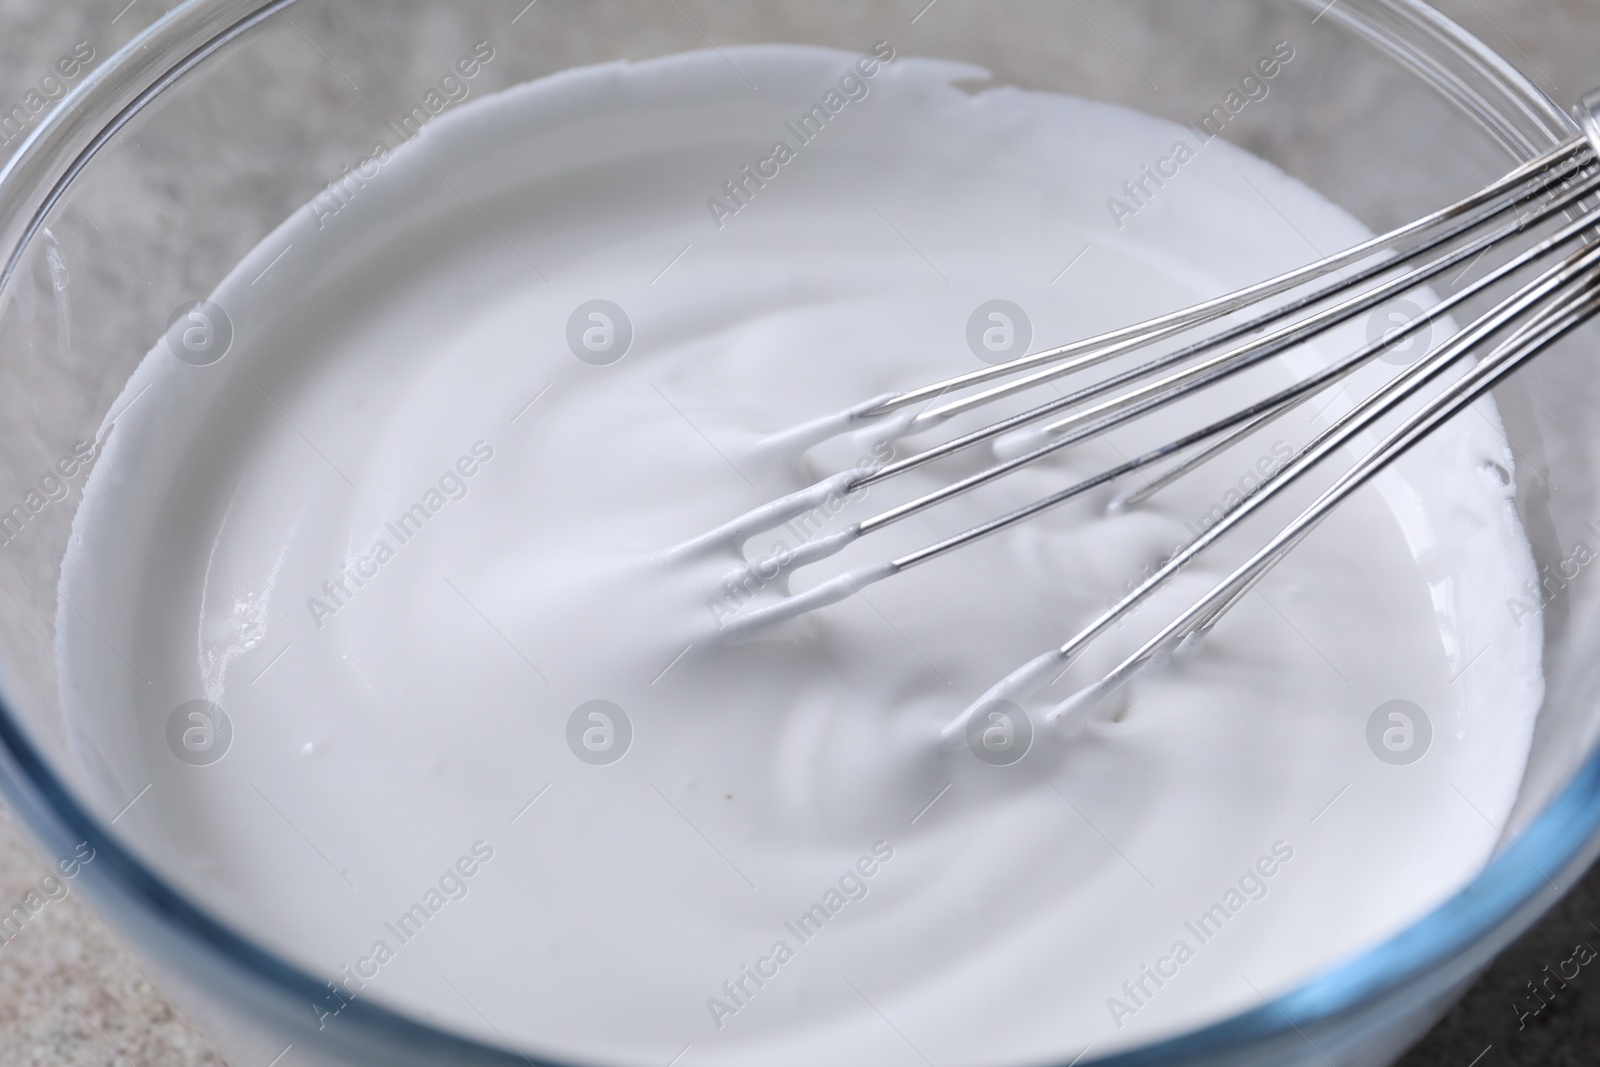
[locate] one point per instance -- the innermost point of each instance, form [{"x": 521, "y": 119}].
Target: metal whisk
[{"x": 1546, "y": 290}]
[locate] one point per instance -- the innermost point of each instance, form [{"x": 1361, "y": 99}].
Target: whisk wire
[
  {"x": 1373, "y": 274},
  {"x": 1575, "y": 303},
  {"x": 1544, "y": 171}
]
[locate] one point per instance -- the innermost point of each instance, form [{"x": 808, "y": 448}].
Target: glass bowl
[{"x": 173, "y": 157}]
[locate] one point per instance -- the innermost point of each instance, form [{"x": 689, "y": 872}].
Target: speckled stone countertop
[{"x": 72, "y": 995}]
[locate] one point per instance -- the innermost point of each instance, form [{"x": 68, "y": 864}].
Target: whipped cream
[{"x": 488, "y": 760}]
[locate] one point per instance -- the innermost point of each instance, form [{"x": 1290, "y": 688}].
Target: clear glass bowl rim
[{"x": 1410, "y": 970}]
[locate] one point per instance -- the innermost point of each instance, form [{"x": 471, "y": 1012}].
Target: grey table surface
[{"x": 73, "y": 995}]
